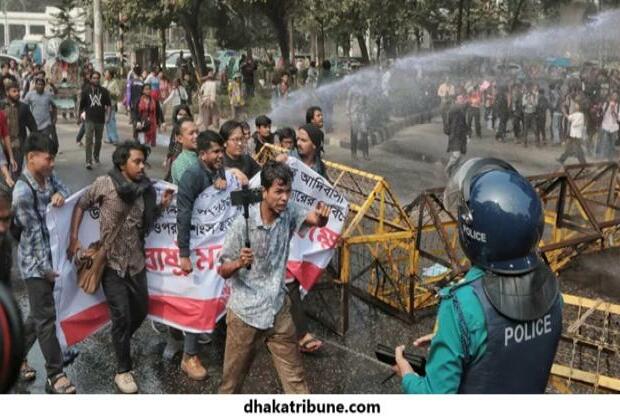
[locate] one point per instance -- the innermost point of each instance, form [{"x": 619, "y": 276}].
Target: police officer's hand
[
  {"x": 424, "y": 341},
  {"x": 402, "y": 366}
]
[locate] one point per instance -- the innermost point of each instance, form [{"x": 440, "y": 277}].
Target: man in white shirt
[
  {"x": 446, "y": 93},
  {"x": 605, "y": 148},
  {"x": 577, "y": 123}
]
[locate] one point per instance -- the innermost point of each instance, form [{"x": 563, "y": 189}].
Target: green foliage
[{"x": 64, "y": 26}]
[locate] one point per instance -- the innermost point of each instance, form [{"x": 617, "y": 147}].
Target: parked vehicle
[{"x": 172, "y": 57}]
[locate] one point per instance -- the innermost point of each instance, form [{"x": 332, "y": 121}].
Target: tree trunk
[
  {"x": 291, "y": 41},
  {"x": 162, "y": 44},
  {"x": 468, "y": 23},
  {"x": 277, "y": 15},
  {"x": 515, "y": 18},
  {"x": 459, "y": 22},
  {"x": 194, "y": 37},
  {"x": 362, "y": 44},
  {"x": 321, "y": 44},
  {"x": 346, "y": 46}
]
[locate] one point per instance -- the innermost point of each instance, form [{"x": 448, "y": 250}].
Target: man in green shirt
[
  {"x": 188, "y": 137},
  {"x": 498, "y": 329}
]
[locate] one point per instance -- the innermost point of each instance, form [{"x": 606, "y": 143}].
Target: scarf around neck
[{"x": 129, "y": 192}]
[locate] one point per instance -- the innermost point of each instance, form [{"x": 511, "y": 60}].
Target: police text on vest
[{"x": 528, "y": 330}]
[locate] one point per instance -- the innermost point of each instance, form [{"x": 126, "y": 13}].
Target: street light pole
[{"x": 6, "y": 24}]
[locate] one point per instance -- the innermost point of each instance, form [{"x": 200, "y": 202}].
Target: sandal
[
  {"x": 52, "y": 385},
  {"x": 26, "y": 372},
  {"x": 310, "y": 345}
]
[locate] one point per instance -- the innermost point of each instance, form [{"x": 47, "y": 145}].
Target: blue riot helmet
[{"x": 500, "y": 216}]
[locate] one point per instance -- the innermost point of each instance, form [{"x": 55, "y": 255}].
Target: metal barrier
[
  {"x": 396, "y": 258},
  {"x": 589, "y": 355}
]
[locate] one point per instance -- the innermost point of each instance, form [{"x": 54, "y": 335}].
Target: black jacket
[{"x": 26, "y": 121}]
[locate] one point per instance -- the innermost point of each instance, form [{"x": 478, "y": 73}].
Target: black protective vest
[{"x": 519, "y": 354}]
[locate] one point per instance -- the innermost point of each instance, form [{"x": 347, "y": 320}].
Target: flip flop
[
  {"x": 311, "y": 345},
  {"x": 27, "y": 373},
  {"x": 67, "y": 388}
]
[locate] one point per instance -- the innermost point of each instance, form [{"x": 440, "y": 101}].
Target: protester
[
  {"x": 134, "y": 93},
  {"x": 193, "y": 171},
  {"x": 177, "y": 96},
  {"x": 457, "y": 133},
  {"x": 114, "y": 88},
  {"x": 609, "y": 128},
  {"x": 541, "y": 118},
  {"x": 446, "y": 95},
  {"x": 6, "y": 80},
  {"x": 44, "y": 111},
  {"x": 34, "y": 190},
  {"x": 313, "y": 75},
  {"x": 20, "y": 122},
  {"x": 7, "y": 182},
  {"x": 358, "y": 112},
  {"x": 235, "y": 96},
  {"x": 576, "y": 136},
  {"x": 153, "y": 80},
  {"x": 286, "y": 138},
  {"x": 209, "y": 112},
  {"x": 127, "y": 210},
  {"x": 94, "y": 111},
  {"x": 179, "y": 113},
  {"x": 530, "y": 102},
  {"x": 263, "y": 132},
  {"x": 235, "y": 155},
  {"x": 314, "y": 116},
  {"x": 502, "y": 110},
  {"x": 327, "y": 102},
  {"x": 473, "y": 111},
  {"x": 248, "y": 68},
  {"x": 186, "y": 136},
  {"x": 258, "y": 307},
  {"x": 516, "y": 108},
  {"x": 148, "y": 115},
  {"x": 250, "y": 145}
]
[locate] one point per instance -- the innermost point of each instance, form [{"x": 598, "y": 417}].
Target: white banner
[
  {"x": 311, "y": 252},
  {"x": 192, "y": 303}
]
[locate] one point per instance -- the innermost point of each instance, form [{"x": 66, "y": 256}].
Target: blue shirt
[
  {"x": 257, "y": 295},
  {"x": 34, "y": 246},
  {"x": 446, "y": 358}
]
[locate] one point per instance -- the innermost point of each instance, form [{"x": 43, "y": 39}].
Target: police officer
[{"x": 498, "y": 329}]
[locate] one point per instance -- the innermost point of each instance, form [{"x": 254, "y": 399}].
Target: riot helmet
[{"x": 500, "y": 216}]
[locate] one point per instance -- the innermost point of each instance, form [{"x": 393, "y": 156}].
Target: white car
[{"x": 171, "y": 59}]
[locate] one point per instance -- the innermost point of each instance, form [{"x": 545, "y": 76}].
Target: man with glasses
[{"x": 235, "y": 156}]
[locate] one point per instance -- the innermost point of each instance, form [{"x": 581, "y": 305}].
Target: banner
[
  {"x": 311, "y": 251},
  {"x": 195, "y": 302}
]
